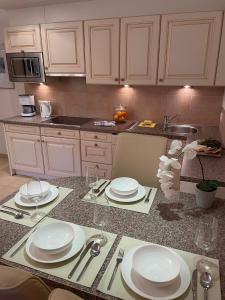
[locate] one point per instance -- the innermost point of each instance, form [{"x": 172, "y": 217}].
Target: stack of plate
[
  {"x": 125, "y": 189},
  {"x": 47, "y": 194},
  {"x": 55, "y": 242},
  {"x": 155, "y": 272}
]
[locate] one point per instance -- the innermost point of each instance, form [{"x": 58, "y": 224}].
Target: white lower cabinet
[
  {"x": 61, "y": 156},
  {"x": 25, "y": 152}
]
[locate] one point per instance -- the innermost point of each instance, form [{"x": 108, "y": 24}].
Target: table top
[{"x": 170, "y": 223}]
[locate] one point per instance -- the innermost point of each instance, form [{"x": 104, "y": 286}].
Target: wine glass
[
  {"x": 91, "y": 180},
  {"x": 206, "y": 240},
  {"x": 34, "y": 187},
  {"x": 101, "y": 218}
]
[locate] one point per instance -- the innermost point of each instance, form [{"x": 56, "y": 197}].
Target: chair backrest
[
  {"x": 137, "y": 156},
  {"x": 16, "y": 284}
]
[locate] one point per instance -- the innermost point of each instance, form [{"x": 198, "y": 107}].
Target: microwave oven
[{"x": 26, "y": 67}]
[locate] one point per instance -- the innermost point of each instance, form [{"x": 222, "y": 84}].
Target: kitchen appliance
[
  {"x": 45, "y": 108},
  {"x": 26, "y": 67},
  {"x": 28, "y": 106}
]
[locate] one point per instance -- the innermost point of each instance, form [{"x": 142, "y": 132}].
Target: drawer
[
  {"x": 22, "y": 128},
  {"x": 103, "y": 171},
  {"x": 59, "y": 132},
  {"x": 96, "y": 136},
  {"x": 96, "y": 152}
]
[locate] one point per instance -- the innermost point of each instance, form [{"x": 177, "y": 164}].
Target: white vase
[{"x": 204, "y": 199}]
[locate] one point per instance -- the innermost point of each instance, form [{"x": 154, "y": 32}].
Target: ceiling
[{"x": 15, "y": 4}]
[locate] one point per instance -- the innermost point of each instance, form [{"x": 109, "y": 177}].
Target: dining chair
[
  {"x": 137, "y": 156},
  {"x": 17, "y": 284}
]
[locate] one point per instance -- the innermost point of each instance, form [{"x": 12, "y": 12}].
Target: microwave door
[
  {"x": 32, "y": 67},
  {"x": 18, "y": 67}
]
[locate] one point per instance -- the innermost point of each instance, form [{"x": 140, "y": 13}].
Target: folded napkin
[
  {"x": 105, "y": 123},
  {"x": 147, "y": 123}
]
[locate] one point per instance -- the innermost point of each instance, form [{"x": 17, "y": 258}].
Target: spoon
[
  {"x": 17, "y": 215},
  {"x": 206, "y": 282},
  {"x": 95, "y": 251}
]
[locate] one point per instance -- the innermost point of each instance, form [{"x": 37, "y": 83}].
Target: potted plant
[{"x": 205, "y": 189}]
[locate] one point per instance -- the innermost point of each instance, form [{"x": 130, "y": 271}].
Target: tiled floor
[{"x": 8, "y": 183}]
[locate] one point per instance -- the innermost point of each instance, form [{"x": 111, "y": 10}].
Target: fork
[{"x": 119, "y": 259}]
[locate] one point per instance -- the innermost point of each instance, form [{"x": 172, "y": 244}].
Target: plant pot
[{"x": 205, "y": 199}]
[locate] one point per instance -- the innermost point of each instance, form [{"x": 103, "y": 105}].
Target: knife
[
  {"x": 194, "y": 284},
  {"x": 23, "y": 243},
  {"x": 16, "y": 209},
  {"x": 103, "y": 190},
  {"x": 148, "y": 196},
  {"x": 84, "y": 252}
]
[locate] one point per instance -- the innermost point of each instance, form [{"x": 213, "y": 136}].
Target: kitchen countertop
[
  {"x": 214, "y": 167},
  {"x": 169, "y": 223}
]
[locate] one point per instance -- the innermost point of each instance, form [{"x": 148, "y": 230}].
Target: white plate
[
  {"x": 42, "y": 257},
  {"x": 53, "y": 193},
  {"x": 124, "y": 185},
  {"x": 150, "y": 291},
  {"x": 126, "y": 199}
]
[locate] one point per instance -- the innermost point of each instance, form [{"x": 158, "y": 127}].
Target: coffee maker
[{"x": 28, "y": 106}]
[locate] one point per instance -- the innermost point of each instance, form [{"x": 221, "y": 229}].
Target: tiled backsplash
[{"x": 71, "y": 96}]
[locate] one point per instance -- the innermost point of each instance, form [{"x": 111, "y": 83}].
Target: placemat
[
  {"x": 120, "y": 289},
  {"x": 62, "y": 269},
  {"x": 138, "y": 206},
  {"x": 63, "y": 193}
]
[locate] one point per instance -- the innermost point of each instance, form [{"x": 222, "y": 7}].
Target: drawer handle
[
  {"x": 95, "y": 136},
  {"x": 97, "y": 166},
  {"x": 96, "y": 145},
  {"x": 59, "y": 133}
]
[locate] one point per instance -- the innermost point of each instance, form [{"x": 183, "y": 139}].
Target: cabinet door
[
  {"x": 23, "y": 38},
  {"x": 63, "y": 47},
  {"x": 25, "y": 152},
  {"x": 61, "y": 156},
  {"x": 139, "y": 45},
  {"x": 103, "y": 171},
  {"x": 102, "y": 51},
  {"x": 189, "y": 46},
  {"x": 220, "y": 76}
]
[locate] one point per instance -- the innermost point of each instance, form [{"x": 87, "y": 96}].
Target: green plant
[{"x": 206, "y": 185}]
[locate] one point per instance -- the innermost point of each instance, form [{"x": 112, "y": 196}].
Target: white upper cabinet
[
  {"x": 139, "y": 46},
  {"x": 189, "y": 46},
  {"x": 102, "y": 51},
  {"x": 220, "y": 76},
  {"x": 63, "y": 47},
  {"x": 23, "y": 38}
]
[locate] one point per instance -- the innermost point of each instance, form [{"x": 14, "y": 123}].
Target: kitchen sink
[{"x": 183, "y": 129}]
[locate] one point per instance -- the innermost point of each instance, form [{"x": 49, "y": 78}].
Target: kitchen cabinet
[
  {"x": 63, "y": 47},
  {"x": 25, "y": 152},
  {"x": 96, "y": 153},
  {"x": 139, "y": 46},
  {"x": 61, "y": 156},
  {"x": 102, "y": 51},
  {"x": 189, "y": 46},
  {"x": 220, "y": 76},
  {"x": 23, "y": 38}
]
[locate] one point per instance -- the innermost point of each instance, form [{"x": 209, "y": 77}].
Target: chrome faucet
[{"x": 167, "y": 120}]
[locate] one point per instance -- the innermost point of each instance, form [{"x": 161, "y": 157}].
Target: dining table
[{"x": 172, "y": 223}]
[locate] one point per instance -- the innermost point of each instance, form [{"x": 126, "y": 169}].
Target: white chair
[{"x": 137, "y": 156}]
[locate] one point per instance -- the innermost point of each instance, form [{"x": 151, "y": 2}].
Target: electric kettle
[{"x": 45, "y": 108}]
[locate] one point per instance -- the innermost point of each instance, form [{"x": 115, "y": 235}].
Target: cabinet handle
[
  {"x": 161, "y": 80},
  {"x": 59, "y": 133},
  {"x": 46, "y": 68},
  {"x": 95, "y": 136},
  {"x": 116, "y": 79},
  {"x": 97, "y": 166},
  {"x": 122, "y": 79},
  {"x": 38, "y": 140},
  {"x": 96, "y": 145},
  {"x": 22, "y": 51}
]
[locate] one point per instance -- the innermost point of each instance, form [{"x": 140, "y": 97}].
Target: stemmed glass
[
  {"x": 91, "y": 180},
  {"x": 35, "y": 186},
  {"x": 101, "y": 218},
  {"x": 206, "y": 240}
]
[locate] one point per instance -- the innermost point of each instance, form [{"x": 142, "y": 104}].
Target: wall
[
  {"x": 71, "y": 96},
  {"x": 107, "y": 9},
  {"x": 9, "y": 105}
]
